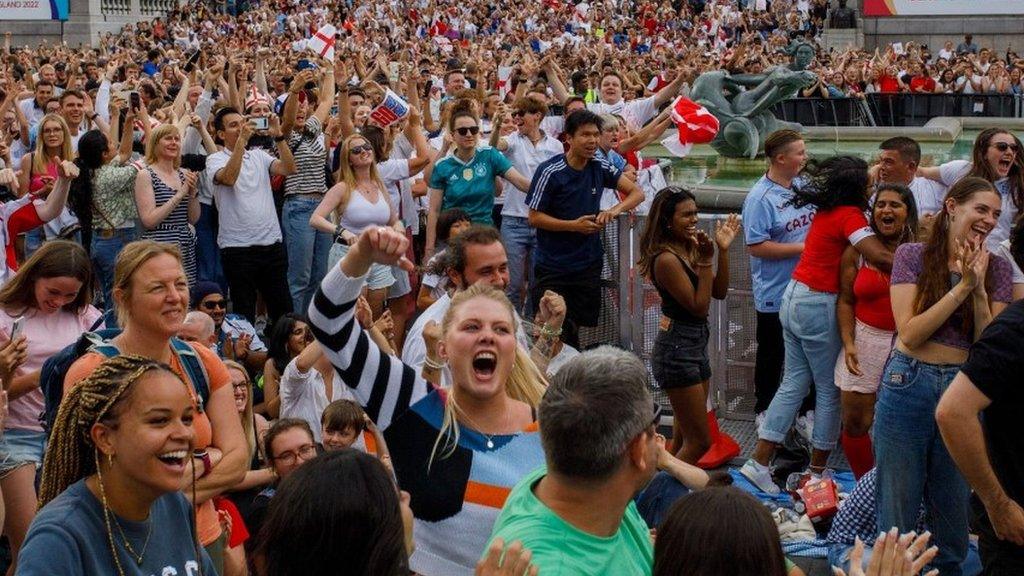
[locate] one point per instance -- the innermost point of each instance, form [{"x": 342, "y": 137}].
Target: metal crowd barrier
[
  {"x": 818, "y": 111},
  {"x": 918, "y": 109},
  {"x": 896, "y": 109},
  {"x": 631, "y": 309}
]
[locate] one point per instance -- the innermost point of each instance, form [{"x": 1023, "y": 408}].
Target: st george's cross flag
[
  {"x": 695, "y": 125},
  {"x": 390, "y": 110},
  {"x": 323, "y": 42}
]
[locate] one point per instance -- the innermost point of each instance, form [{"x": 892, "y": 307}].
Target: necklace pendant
[
  {"x": 139, "y": 561},
  {"x": 490, "y": 443}
]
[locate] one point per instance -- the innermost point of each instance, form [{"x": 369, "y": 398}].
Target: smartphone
[
  {"x": 190, "y": 64},
  {"x": 260, "y": 123},
  {"x": 334, "y": 110},
  {"x": 304, "y": 63},
  {"x": 17, "y": 327},
  {"x": 394, "y": 68},
  {"x": 134, "y": 100}
]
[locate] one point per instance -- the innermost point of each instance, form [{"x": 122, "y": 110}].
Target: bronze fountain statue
[{"x": 742, "y": 102}]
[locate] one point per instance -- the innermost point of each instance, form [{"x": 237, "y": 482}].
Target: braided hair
[{"x": 72, "y": 454}]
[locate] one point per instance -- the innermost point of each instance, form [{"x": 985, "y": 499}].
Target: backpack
[{"x": 51, "y": 376}]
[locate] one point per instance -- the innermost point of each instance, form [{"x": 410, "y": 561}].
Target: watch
[
  {"x": 280, "y": 138},
  {"x": 207, "y": 464}
]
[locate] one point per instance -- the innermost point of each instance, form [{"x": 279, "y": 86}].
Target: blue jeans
[
  {"x": 912, "y": 461},
  {"x": 839, "y": 556},
  {"x": 104, "y": 253},
  {"x": 655, "y": 501},
  {"x": 307, "y": 249},
  {"x": 207, "y": 252},
  {"x": 520, "y": 239},
  {"x": 812, "y": 341}
]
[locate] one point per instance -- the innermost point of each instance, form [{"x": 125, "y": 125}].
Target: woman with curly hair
[{"x": 838, "y": 189}]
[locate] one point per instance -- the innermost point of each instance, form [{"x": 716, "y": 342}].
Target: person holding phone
[
  {"x": 50, "y": 299},
  {"x": 305, "y": 115}
]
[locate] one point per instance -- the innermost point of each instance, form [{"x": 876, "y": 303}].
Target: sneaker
[{"x": 760, "y": 476}]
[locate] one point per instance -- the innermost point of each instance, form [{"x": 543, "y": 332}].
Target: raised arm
[
  {"x": 55, "y": 200},
  {"x": 381, "y": 383}
]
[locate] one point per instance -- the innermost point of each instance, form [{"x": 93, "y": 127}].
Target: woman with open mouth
[
  {"x": 996, "y": 158},
  {"x": 458, "y": 451},
  {"x": 866, "y": 325},
  {"x": 677, "y": 257},
  {"x": 944, "y": 292},
  {"x": 112, "y": 489},
  {"x": 837, "y": 188}
]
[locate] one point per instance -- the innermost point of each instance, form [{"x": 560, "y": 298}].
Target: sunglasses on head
[
  {"x": 360, "y": 149},
  {"x": 468, "y": 130},
  {"x": 1004, "y": 146},
  {"x": 211, "y": 304}
]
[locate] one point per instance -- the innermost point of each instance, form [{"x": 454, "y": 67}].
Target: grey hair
[
  {"x": 609, "y": 120},
  {"x": 596, "y": 404},
  {"x": 204, "y": 320}
]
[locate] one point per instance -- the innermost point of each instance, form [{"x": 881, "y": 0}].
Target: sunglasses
[
  {"x": 468, "y": 130},
  {"x": 211, "y": 304},
  {"x": 360, "y": 149},
  {"x": 1004, "y": 146}
]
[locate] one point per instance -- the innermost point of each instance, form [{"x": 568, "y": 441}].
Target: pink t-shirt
[{"x": 45, "y": 334}]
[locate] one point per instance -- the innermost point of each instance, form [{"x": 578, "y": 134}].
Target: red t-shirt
[
  {"x": 922, "y": 84},
  {"x": 888, "y": 83},
  {"x": 831, "y": 232}
]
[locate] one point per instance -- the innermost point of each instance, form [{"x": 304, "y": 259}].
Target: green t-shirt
[
  {"x": 560, "y": 549},
  {"x": 470, "y": 185}
]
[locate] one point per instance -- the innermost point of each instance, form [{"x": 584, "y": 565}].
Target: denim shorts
[
  {"x": 379, "y": 277},
  {"x": 680, "y": 355},
  {"x": 19, "y": 448}
]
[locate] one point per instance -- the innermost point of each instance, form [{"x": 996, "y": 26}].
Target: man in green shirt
[{"x": 576, "y": 515}]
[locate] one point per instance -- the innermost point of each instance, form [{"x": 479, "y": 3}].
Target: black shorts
[
  {"x": 580, "y": 289},
  {"x": 680, "y": 355}
]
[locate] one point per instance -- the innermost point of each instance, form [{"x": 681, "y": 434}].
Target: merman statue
[{"x": 742, "y": 102}]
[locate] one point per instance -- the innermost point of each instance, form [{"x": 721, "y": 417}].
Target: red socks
[{"x": 858, "y": 453}]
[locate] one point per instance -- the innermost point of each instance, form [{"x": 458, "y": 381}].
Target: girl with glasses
[
  {"x": 288, "y": 445},
  {"x": 358, "y": 201},
  {"x": 996, "y": 157},
  {"x": 466, "y": 178}
]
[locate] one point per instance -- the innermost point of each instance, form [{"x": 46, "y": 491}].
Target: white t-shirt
[
  {"x": 304, "y": 395},
  {"x": 247, "y": 214},
  {"x": 951, "y": 172},
  {"x": 635, "y": 112},
  {"x": 525, "y": 157},
  {"x": 1003, "y": 249},
  {"x": 928, "y": 195}
]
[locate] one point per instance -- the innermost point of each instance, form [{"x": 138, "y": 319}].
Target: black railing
[
  {"x": 824, "y": 111},
  {"x": 918, "y": 109},
  {"x": 896, "y": 109}
]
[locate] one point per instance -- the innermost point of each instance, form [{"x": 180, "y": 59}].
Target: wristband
[
  {"x": 280, "y": 139},
  {"x": 551, "y": 333},
  {"x": 432, "y": 364},
  {"x": 207, "y": 464},
  {"x": 93, "y": 117}
]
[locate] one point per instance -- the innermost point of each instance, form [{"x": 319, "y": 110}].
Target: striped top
[
  {"x": 310, "y": 155},
  {"x": 455, "y": 499},
  {"x": 174, "y": 229}
]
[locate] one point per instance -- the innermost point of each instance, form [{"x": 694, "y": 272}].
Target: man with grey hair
[
  {"x": 199, "y": 328},
  {"x": 598, "y": 428}
]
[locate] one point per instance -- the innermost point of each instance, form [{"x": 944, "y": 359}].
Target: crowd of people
[{"x": 252, "y": 324}]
